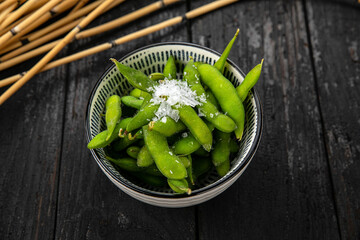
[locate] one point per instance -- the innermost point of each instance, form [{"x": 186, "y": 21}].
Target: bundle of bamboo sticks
[{"x": 24, "y": 34}]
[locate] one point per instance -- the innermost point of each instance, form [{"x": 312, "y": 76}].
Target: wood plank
[
  {"x": 286, "y": 191},
  {"x": 31, "y": 129},
  {"x": 334, "y": 30},
  {"x": 90, "y": 206}
]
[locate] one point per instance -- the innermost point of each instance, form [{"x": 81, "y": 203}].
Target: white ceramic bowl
[{"x": 150, "y": 59}]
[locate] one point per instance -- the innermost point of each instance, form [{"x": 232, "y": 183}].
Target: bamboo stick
[
  {"x": 80, "y": 4},
  {"x": 18, "y": 13},
  {"x": 6, "y": 4},
  {"x": 62, "y": 7},
  {"x": 105, "y": 46},
  {"x": 7, "y": 11},
  {"x": 2, "y": 31},
  {"x": 67, "y": 39},
  {"x": 12, "y": 61},
  {"x": 28, "y": 21},
  {"x": 13, "y": 58}
]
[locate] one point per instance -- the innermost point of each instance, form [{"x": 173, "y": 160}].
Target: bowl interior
[{"x": 152, "y": 59}]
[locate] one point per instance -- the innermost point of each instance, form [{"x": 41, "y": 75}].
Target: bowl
[{"x": 151, "y": 59}]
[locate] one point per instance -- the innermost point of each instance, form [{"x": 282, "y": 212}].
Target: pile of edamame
[{"x": 176, "y": 151}]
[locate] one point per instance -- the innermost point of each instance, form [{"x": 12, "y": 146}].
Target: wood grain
[
  {"x": 286, "y": 192},
  {"x": 334, "y": 30}
]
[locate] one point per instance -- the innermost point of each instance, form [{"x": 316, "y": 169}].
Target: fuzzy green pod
[
  {"x": 112, "y": 114},
  {"x": 224, "y": 168},
  {"x": 133, "y": 151},
  {"x": 250, "y": 80},
  {"x": 142, "y": 117},
  {"x": 144, "y": 158},
  {"x": 167, "y": 162},
  {"x": 179, "y": 186},
  {"x": 221, "y": 151},
  {"x": 167, "y": 126},
  {"x": 170, "y": 68},
  {"x": 131, "y": 101},
  {"x": 220, "y": 63},
  {"x": 226, "y": 94}
]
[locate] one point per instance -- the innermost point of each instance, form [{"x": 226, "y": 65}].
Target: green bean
[
  {"x": 197, "y": 127},
  {"x": 167, "y": 162},
  {"x": 133, "y": 151},
  {"x": 221, "y": 151},
  {"x": 179, "y": 186},
  {"x": 135, "y": 77},
  {"x": 113, "y": 113},
  {"x": 220, "y": 63},
  {"x": 167, "y": 127},
  {"x": 250, "y": 80},
  {"x": 144, "y": 158},
  {"x": 224, "y": 168},
  {"x": 211, "y": 113},
  {"x": 157, "y": 76},
  {"x": 142, "y": 117},
  {"x": 226, "y": 95},
  {"x": 131, "y": 101},
  {"x": 170, "y": 68}
]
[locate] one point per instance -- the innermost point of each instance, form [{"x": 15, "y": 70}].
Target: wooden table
[{"x": 303, "y": 182}]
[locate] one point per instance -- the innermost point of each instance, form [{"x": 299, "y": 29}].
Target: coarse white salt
[
  {"x": 173, "y": 93},
  {"x": 184, "y": 135}
]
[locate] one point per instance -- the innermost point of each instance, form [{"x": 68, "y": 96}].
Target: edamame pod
[
  {"x": 167, "y": 162},
  {"x": 142, "y": 117},
  {"x": 211, "y": 113},
  {"x": 133, "y": 151},
  {"x": 167, "y": 127},
  {"x": 179, "y": 186},
  {"x": 144, "y": 158},
  {"x": 211, "y": 98},
  {"x": 186, "y": 145},
  {"x": 113, "y": 113},
  {"x": 170, "y": 68},
  {"x": 131, "y": 101},
  {"x": 200, "y": 166},
  {"x": 125, "y": 141},
  {"x": 139, "y": 93},
  {"x": 197, "y": 127},
  {"x": 224, "y": 168},
  {"x": 157, "y": 76},
  {"x": 99, "y": 141},
  {"x": 185, "y": 161},
  {"x": 129, "y": 164},
  {"x": 221, "y": 151},
  {"x": 190, "y": 171},
  {"x": 234, "y": 147},
  {"x": 156, "y": 181},
  {"x": 135, "y": 77},
  {"x": 250, "y": 80},
  {"x": 220, "y": 63},
  {"x": 226, "y": 95}
]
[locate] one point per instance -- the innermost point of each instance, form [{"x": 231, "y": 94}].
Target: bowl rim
[{"x": 234, "y": 173}]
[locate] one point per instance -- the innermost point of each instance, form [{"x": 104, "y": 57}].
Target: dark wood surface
[{"x": 303, "y": 182}]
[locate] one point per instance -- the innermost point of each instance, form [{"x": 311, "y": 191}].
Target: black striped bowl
[{"x": 152, "y": 59}]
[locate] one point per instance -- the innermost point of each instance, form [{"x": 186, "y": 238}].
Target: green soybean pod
[
  {"x": 133, "y": 151},
  {"x": 202, "y": 153},
  {"x": 179, "y": 186},
  {"x": 167, "y": 162},
  {"x": 152, "y": 170},
  {"x": 226, "y": 95},
  {"x": 144, "y": 116},
  {"x": 211, "y": 98},
  {"x": 144, "y": 158},
  {"x": 170, "y": 68},
  {"x": 234, "y": 147},
  {"x": 221, "y": 151},
  {"x": 125, "y": 141},
  {"x": 185, "y": 161},
  {"x": 190, "y": 171},
  {"x": 100, "y": 140},
  {"x": 211, "y": 113},
  {"x": 224, "y": 168},
  {"x": 200, "y": 166},
  {"x": 186, "y": 145},
  {"x": 139, "y": 93},
  {"x": 135, "y": 77},
  {"x": 156, "y": 181},
  {"x": 220, "y": 63},
  {"x": 131, "y": 101},
  {"x": 113, "y": 113},
  {"x": 157, "y": 76},
  {"x": 128, "y": 164},
  {"x": 167, "y": 126},
  {"x": 197, "y": 127},
  {"x": 250, "y": 80}
]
